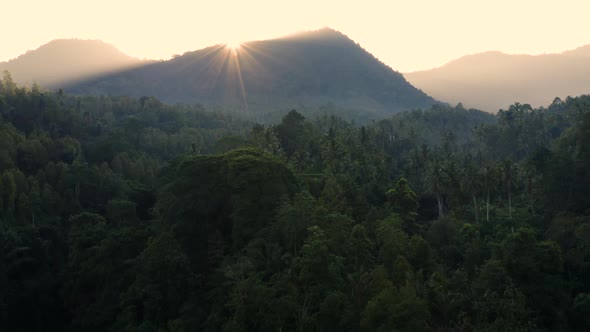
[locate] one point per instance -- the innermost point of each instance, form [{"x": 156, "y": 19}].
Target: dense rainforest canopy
[{"x": 126, "y": 214}]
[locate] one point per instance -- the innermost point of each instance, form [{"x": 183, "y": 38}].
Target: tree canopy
[{"x": 125, "y": 214}]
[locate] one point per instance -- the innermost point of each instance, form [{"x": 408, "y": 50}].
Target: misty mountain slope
[
  {"x": 297, "y": 71},
  {"x": 63, "y": 60},
  {"x": 494, "y": 80}
]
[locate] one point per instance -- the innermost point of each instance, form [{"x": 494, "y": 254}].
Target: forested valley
[{"x": 128, "y": 214}]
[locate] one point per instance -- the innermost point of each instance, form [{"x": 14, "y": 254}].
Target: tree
[
  {"x": 471, "y": 184},
  {"x": 8, "y": 86},
  {"x": 395, "y": 309},
  {"x": 8, "y": 194},
  {"x": 164, "y": 284},
  {"x": 403, "y": 199},
  {"x": 319, "y": 267},
  {"x": 35, "y": 199},
  {"x": 488, "y": 175},
  {"x": 217, "y": 203},
  {"x": 434, "y": 179},
  {"x": 391, "y": 239},
  {"x": 332, "y": 151},
  {"x": 290, "y": 132},
  {"x": 507, "y": 168}
]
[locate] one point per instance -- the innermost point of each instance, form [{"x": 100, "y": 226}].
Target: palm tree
[
  {"x": 486, "y": 172},
  {"x": 471, "y": 184},
  {"x": 508, "y": 169},
  {"x": 529, "y": 173},
  {"x": 332, "y": 150},
  {"x": 434, "y": 182}
]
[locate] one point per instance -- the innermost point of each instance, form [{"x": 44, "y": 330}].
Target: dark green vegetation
[
  {"x": 304, "y": 71},
  {"x": 122, "y": 214}
]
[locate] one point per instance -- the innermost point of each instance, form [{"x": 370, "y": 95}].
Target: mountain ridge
[
  {"x": 303, "y": 70},
  {"x": 493, "y": 80},
  {"x": 63, "y": 60}
]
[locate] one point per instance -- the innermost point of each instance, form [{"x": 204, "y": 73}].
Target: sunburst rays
[
  {"x": 232, "y": 68},
  {"x": 233, "y": 45},
  {"x": 235, "y": 56}
]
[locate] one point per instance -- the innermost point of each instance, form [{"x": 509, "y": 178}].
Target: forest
[{"x": 128, "y": 214}]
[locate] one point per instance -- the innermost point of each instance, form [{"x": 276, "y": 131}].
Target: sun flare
[{"x": 234, "y": 45}]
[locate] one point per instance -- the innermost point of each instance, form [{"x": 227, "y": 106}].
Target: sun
[{"x": 234, "y": 45}]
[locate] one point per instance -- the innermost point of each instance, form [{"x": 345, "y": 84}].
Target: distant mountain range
[
  {"x": 494, "y": 80},
  {"x": 301, "y": 71},
  {"x": 65, "y": 60},
  {"x": 320, "y": 69}
]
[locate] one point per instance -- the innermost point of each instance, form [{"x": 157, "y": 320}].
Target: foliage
[{"x": 123, "y": 214}]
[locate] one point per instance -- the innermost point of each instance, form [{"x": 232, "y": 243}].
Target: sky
[{"x": 407, "y": 35}]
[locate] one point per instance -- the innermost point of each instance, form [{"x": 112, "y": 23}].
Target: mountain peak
[
  {"x": 325, "y": 33},
  {"x": 305, "y": 70},
  {"x": 72, "y": 47},
  {"x": 62, "y": 60},
  {"x": 493, "y": 80},
  {"x": 60, "y": 42},
  {"x": 329, "y": 31}
]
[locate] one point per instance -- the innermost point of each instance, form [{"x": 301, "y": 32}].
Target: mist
[
  {"x": 494, "y": 80},
  {"x": 63, "y": 61}
]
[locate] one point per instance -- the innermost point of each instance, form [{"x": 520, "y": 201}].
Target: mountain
[
  {"x": 304, "y": 70},
  {"x": 494, "y": 80},
  {"x": 64, "y": 60}
]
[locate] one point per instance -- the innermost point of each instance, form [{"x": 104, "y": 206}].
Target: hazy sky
[{"x": 407, "y": 35}]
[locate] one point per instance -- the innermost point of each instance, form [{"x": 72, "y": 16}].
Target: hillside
[
  {"x": 494, "y": 80},
  {"x": 127, "y": 214},
  {"x": 64, "y": 60},
  {"x": 303, "y": 71}
]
